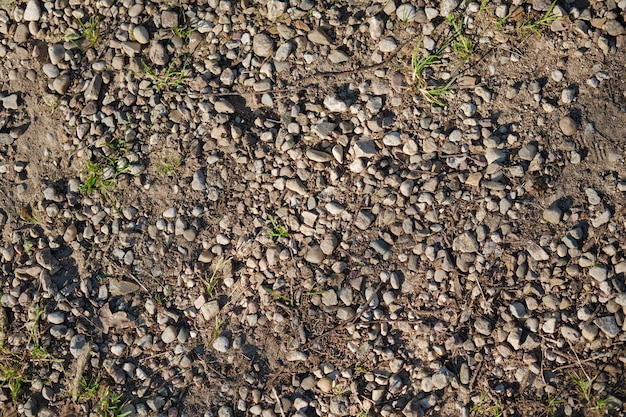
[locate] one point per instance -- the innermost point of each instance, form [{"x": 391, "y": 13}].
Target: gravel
[{"x": 269, "y": 209}]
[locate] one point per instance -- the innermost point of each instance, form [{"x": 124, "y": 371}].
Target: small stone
[
  {"x": 10, "y": 102},
  {"x": 518, "y": 310},
  {"x": 613, "y": 27},
  {"x": 568, "y": 95},
  {"x": 527, "y": 153},
  {"x": 608, "y": 325},
  {"x": 158, "y": 54},
  {"x": 199, "y": 181},
  {"x": 33, "y": 11},
  {"x": 549, "y": 326},
  {"x": 553, "y": 215},
  {"x": 263, "y": 45},
  {"x": 169, "y": 19},
  {"x": 56, "y": 317},
  {"x": 169, "y": 334},
  {"x": 364, "y": 219},
  {"x": 79, "y": 345},
  {"x": 592, "y": 196},
  {"x": 601, "y": 219},
  {"x": 365, "y": 148},
  {"x": 141, "y": 34},
  {"x": 567, "y": 125},
  {"x": 440, "y": 380},
  {"x": 335, "y": 105},
  {"x": 621, "y": 299},
  {"x": 483, "y": 326},
  {"x": 494, "y": 155},
  {"x": 296, "y": 356},
  {"x": 210, "y": 310},
  {"x": 221, "y": 344},
  {"x": 50, "y": 70},
  {"x": 319, "y": 37},
  {"x": 447, "y": 6},
  {"x": 224, "y": 106},
  {"x": 314, "y": 255},
  {"x": 570, "y": 333},
  {"x": 387, "y": 45},
  {"x": 599, "y": 273},
  {"x": 325, "y": 385},
  {"x": 405, "y": 13},
  {"x": 392, "y": 139},
  {"x": 537, "y": 252},
  {"x": 466, "y": 243}
]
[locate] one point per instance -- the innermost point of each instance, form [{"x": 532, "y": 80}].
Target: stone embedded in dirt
[
  {"x": 613, "y": 27},
  {"x": 599, "y": 273},
  {"x": 466, "y": 243},
  {"x": 61, "y": 83},
  {"x": 169, "y": 334},
  {"x": 224, "y": 106},
  {"x": 325, "y": 385},
  {"x": 567, "y": 125},
  {"x": 387, "y": 45},
  {"x": 537, "y": 252},
  {"x": 221, "y": 344},
  {"x": 601, "y": 218},
  {"x": 319, "y": 37},
  {"x": 198, "y": 182},
  {"x": 568, "y": 95},
  {"x": 405, "y": 13},
  {"x": 169, "y": 19},
  {"x": 608, "y": 325},
  {"x": 570, "y": 333},
  {"x": 263, "y": 45},
  {"x": 120, "y": 287},
  {"x": 314, "y": 255},
  {"x": 10, "y": 102},
  {"x": 483, "y": 326},
  {"x": 79, "y": 345},
  {"x": 93, "y": 89},
  {"x": 553, "y": 214},
  {"x": 32, "y": 13},
  {"x": 158, "y": 54},
  {"x": 447, "y": 6},
  {"x": 56, "y": 53},
  {"x": 335, "y": 105},
  {"x": 376, "y": 27},
  {"x": 541, "y": 5},
  {"x": 141, "y": 34},
  {"x": 45, "y": 259}
]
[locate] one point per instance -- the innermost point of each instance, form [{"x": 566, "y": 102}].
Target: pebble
[
  {"x": 199, "y": 181},
  {"x": 33, "y": 11},
  {"x": 553, "y": 215},
  {"x": 263, "y": 45},
  {"x": 79, "y": 345},
  {"x": 319, "y": 37},
  {"x": 447, "y": 6},
  {"x": 483, "y": 326},
  {"x": 169, "y": 334},
  {"x": 314, "y": 255},
  {"x": 406, "y": 13},
  {"x": 608, "y": 325},
  {"x": 570, "y": 333},
  {"x": 158, "y": 54},
  {"x": 537, "y": 252},
  {"x": 466, "y": 243},
  {"x": 387, "y": 45},
  {"x": 221, "y": 344},
  {"x": 567, "y": 125},
  {"x": 335, "y": 105},
  {"x": 141, "y": 34}
]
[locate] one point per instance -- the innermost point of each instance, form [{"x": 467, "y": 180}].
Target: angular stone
[
  {"x": 466, "y": 243},
  {"x": 537, "y": 252},
  {"x": 608, "y": 325}
]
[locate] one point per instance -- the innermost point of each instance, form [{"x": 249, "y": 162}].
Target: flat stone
[
  {"x": 518, "y": 310},
  {"x": 570, "y": 333},
  {"x": 319, "y": 37},
  {"x": 599, "y": 273},
  {"x": 325, "y": 385},
  {"x": 158, "y": 54},
  {"x": 335, "y": 105},
  {"x": 79, "y": 345},
  {"x": 447, "y": 6},
  {"x": 365, "y": 148},
  {"x": 537, "y": 252},
  {"x": 483, "y": 326},
  {"x": 601, "y": 219},
  {"x": 318, "y": 156},
  {"x": 263, "y": 45},
  {"x": 608, "y": 325},
  {"x": 210, "y": 310},
  {"x": 119, "y": 287},
  {"x": 314, "y": 255},
  {"x": 364, "y": 219},
  {"x": 199, "y": 181},
  {"x": 567, "y": 125},
  {"x": 406, "y": 13},
  {"x": 169, "y": 334},
  {"x": 466, "y": 243},
  {"x": 392, "y": 139},
  {"x": 553, "y": 215},
  {"x": 141, "y": 35},
  {"x": 613, "y": 27},
  {"x": 169, "y": 19},
  {"x": 56, "y": 53},
  {"x": 387, "y": 45}
]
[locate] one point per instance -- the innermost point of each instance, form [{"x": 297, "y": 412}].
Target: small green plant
[
  {"x": 484, "y": 408},
  {"x": 584, "y": 384},
  {"x": 363, "y": 413},
  {"x": 277, "y": 230},
  {"x": 420, "y": 63},
  {"x": 552, "y": 406},
  {"x": 339, "y": 390},
  {"x": 435, "y": 94},
  {"x": 53, "y": 102},
  {"x": 28, "y": 243},
  {"x": 95, "y": 181},
  {"x": 358, "y": 368},
  {"x": 12, "y": 377},
  {"x": 184, "y": 31},
  {"x": 109, "y": 405},
  {"x": 544, "y": 21},
  {"x": 88, "y": 31},
  {"x": 217, "y": 328},
  {"x": 461, "y": 44},
  {"x": 483, "y": 6},
  {"x": 89, "y": 389},
  {"x": 210, "y": 282},
  {"x": 159, "y": 298},
  {"x": 170, "y": 79},
  {"x": 288, "y": 300},
  {"x": 168, "y": 166},
  {"x": 38, "y": 351}
]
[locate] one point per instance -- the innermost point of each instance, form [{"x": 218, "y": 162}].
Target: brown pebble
[{"x": 567, "y": 125}]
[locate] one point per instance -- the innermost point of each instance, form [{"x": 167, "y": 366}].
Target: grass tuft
[
  {"x": 538, "y": 25},
  {"x": 277, "y": 230},
  {"x": 88, "y": 32},
  {"x": 170, "y": 79}
]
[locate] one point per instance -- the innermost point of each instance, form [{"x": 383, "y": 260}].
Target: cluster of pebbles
[{"x": 257, "y": 212}]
